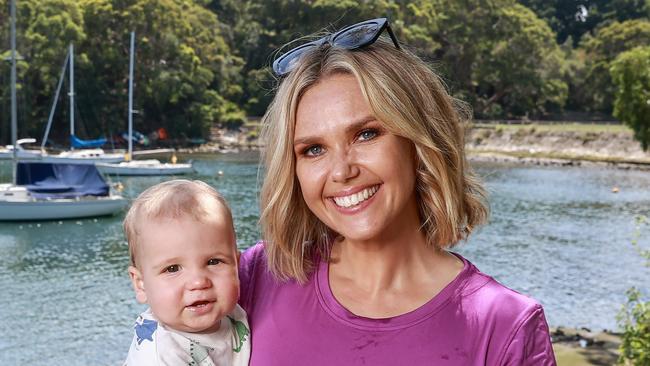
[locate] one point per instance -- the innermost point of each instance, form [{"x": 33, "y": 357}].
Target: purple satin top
[{"x": 474, "y": 320}]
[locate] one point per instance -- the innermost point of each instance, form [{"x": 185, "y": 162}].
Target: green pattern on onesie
[{"x": 239, "y": 334}]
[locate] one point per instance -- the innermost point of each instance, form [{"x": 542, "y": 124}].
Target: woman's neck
[{"x": 390, "y": 277}]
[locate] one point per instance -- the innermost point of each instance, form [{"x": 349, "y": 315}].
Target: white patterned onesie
[{"x": 156, "y": 345}]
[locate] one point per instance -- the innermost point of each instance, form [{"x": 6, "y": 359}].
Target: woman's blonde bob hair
[{"x": 412, "y": 102}]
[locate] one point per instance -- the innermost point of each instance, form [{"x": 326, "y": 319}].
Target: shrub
[{"x": 634, "y": 317}]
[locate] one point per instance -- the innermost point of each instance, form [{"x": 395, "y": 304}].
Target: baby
[{"x": 184, "y": 266}]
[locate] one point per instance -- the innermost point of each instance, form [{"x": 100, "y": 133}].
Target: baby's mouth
[{"x": 198, "y": 305}]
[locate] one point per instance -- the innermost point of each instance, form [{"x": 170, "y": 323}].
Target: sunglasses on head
[{"x": 349, "y": 38}]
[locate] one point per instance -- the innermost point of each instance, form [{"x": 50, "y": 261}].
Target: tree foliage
[
  {"x": 505, "y": 63},
  {"x": 187, "y": 77},
  {"x": 601, "y": 50},
  {"x": 572, "y": 19},
  {"x": 206, "y": 62},
  {"x": 630, "y": 72}
]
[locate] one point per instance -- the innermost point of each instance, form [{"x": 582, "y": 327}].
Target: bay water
[{"x": 558, "y": 234}]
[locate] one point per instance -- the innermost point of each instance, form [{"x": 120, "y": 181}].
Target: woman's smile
[{"x": 353, "y": 200}]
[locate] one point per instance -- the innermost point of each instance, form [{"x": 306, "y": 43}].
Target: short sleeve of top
[{"x": 474, "y": 320}]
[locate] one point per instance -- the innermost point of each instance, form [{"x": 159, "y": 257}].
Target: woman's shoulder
[
  {"x": 516, "y": 321},
  {"x": 252, "y": 256},
  {"x": 252, "y": 265},
  {"x": 483, "y": 293}
]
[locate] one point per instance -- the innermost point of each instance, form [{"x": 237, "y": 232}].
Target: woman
[{"x": 366, "y": 189}]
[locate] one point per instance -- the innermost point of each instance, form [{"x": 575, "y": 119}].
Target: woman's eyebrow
[{"x": 353, "y": 127}]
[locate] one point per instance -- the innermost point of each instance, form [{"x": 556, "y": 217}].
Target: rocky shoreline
[{"x": 582, "y": 146}]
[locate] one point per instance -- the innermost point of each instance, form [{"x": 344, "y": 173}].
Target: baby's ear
[{"x": 138, "y": 285}]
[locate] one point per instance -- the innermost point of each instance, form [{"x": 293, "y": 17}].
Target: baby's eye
[
  {"x": 173, "y": 268},
  {"x": 213, "y": 261},
  {"x": 368, "y": 134}
]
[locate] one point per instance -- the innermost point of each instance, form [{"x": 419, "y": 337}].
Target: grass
[
  {"x": 557, "y": 127},
  {"x": 568, "y": 356},
  {"x": 560, "y": 155}
]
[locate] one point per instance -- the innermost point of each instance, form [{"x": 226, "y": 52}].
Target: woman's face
[{"x": 355, "y": 176}]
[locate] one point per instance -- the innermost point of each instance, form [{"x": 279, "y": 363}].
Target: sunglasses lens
[
  {"x": 357, "y": 36},
  {"x": 288, "y": 61}
]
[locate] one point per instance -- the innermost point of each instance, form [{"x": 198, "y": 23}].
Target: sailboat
[
  {"x": 82, "y": 151},
  {"x": 7, "y": 152},
  {"x": 45, "y": 191},
  {"x": 140, "y": 167}
]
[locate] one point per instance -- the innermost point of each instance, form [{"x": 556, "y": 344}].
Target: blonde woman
[{"x": 366, "y": 190}]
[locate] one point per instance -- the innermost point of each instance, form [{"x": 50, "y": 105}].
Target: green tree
[
  {"x": 44, "y": 29},
  {"x": 630, "y": 72},
  {"x": 601, "y": 49},
  {"x": 186, "y": 75},
  {"x": 505, "y": 63},
  {"x": 572, "y": 19}
]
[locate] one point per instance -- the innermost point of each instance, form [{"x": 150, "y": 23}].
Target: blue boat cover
[
  {"x": 81, "y": 144},
  {"x": 61, "y": 180}
]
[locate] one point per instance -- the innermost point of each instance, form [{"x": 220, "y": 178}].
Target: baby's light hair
[{"x": 173, "y": 199}]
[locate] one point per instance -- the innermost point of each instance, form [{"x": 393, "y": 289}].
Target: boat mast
[
  {"x": 71, "y": 93},
  {"x": 14, "y": 112},
  {"x": 131, "y": 59},
  {"x": 56, "y": 98}
]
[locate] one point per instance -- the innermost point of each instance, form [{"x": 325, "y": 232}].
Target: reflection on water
[{"x": 558, "y": 234}]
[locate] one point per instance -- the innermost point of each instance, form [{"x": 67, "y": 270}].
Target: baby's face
[{"x": 187, "y": 272}]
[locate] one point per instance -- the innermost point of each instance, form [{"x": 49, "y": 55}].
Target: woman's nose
[{"x": 344, "y": 166}]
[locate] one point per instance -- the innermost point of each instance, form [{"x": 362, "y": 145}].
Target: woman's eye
[
  {"x": 213, "y": 262},
  {"x": 313, "y": 150},
  {"x": 173, "y": 268},
  {"x": 368, "y": 134}
]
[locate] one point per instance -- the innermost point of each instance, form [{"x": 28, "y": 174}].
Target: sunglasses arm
[{"x": 392, "y": 36}]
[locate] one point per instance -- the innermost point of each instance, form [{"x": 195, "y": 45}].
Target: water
[{"x": 558, "y": 234}]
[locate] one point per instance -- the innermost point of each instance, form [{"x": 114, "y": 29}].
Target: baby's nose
[{"x": 198, "y": 280}]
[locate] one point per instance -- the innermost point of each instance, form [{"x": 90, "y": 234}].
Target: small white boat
[
  {"x": 82, "y": 156},
  {"x": 17, "y": 205},
  {"x": 144, "y": 167},
  {"x": 141, "y": 167},
  {"x": 7, "y": 152},
  {"x": 57, "y": 191}
]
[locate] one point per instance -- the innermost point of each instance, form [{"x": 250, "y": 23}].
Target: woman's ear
[{"x": 138, "y": 285}]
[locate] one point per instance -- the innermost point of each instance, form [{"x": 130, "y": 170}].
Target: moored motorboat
[{"x": 144, "y": 167}]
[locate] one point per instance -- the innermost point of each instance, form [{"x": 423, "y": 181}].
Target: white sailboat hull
[
  {"x": 17, "y": 205},
  {"x": 8, "y": 154},
  {"x": 83, "y": 156},
  {"x": 144, "y": 167}
]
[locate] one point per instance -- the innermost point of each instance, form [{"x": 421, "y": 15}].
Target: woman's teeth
[{"x": 355, "y": 198}]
